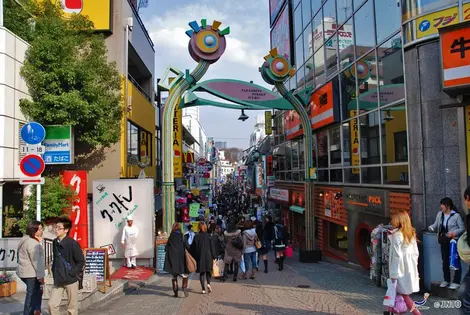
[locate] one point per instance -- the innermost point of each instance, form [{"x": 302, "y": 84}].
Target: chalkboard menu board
[
  {"x": 96, "y": 263},
  {"x": 161, "y": 258}
]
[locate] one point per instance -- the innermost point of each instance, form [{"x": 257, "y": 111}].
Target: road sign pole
[{"x": 38, "y": 203}]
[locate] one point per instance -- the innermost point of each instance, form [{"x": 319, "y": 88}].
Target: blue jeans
[
  {"x": 33, "y": 297},
  {"x": 464, "y": 295},
  {"x": 250, "y": 257}
]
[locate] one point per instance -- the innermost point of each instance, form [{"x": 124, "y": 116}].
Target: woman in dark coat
[
  {"x": 203, "y": 252},
  {"x": 175, "y": 259},
  {"x": 266, "y": 235}
]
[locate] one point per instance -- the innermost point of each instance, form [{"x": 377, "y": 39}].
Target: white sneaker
[
  {"x": 203, "y": 291},
  {"x": 444, "y": 284},
  {"x": 454, "y": 286},
  {"x": 209, "y": 288}
]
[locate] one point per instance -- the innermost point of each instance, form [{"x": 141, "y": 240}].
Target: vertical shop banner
[
  {"x": 280, "y": 34},
  {"x": 269, "y": 165},
  {"x": 354, "y": 147},
  {"x": 268, "y": 123},
  {"x": 260, "y": 173},
  {"x": 178, "y": 143},
  {"x": 77, "y": 181},
  {"x": 116, "y": 199}
]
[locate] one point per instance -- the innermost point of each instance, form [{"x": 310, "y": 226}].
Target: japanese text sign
[{"x": 455, "y": 56}]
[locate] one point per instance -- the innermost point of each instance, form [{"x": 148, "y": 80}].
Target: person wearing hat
[{"x": 129, "y": 242}]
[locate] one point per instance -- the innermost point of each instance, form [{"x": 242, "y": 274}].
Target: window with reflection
[
  {"x": 390, "y": 71},
  {"x": 387, "y": 18},
  {"x": 329, "y": 12},
  {"x": 348, "y": 91},
  {"x": 301, "y": 154},
  {"x": 371, "y": 175},
  {"x": 396, "y": 175},
  {"x": 310, "y": 73},
  {"x": 308, "y": 42},
  {"x": 357, "y": 3},
  {"x": 315, "y": 6},
  {"x": 297, "y": 22},
  {"x": 295, "y": 154},
  {"x": 299, "y": 51},
  {"x": 370, "y": 138},
  {"x": 335, "y": 146},
  {"x": 139, "y": 144},
  {"x": 346, "y": 44},
  {"x": 366, "y": 72},
  {"x": 331, "y": 55},
  {"x": 411, "y": 9},
  {"x": 317, "y": 29},
  {"x": 301, "y": 78},
  {"x": 364, "y": 26},
  {"x": 345, "y": 10},
  {"x": 394, "y": 134},
  {"x": 319, "y": 60},
  {"x": 132, "y": 141},
  {"x": 315, "y": 150},
  {"x": 295, "y": 3},
  {"x": 322, "y": 143},
  {"x": 306, "y": 12},
  {"x": 288, "y": 155}
]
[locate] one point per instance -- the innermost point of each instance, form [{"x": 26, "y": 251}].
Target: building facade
[{"x": 351, "y": 54}]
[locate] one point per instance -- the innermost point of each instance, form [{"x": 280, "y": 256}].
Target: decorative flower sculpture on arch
[{"x": 207, "y": 41}]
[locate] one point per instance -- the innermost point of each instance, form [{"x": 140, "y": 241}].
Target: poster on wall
[
  {"x": 113, "y": 202},
  {"x": 280, "y": 34},
  {"x": 335, "y": 207},
  {"x": 327, "y": 200}
]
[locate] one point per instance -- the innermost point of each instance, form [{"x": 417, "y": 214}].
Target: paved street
[{"x": 333, "y": 290}]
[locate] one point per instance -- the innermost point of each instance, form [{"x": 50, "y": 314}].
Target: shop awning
[{"x": 297, "y": 209}]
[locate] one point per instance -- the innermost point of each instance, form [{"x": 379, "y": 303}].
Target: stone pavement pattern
[{"x": 333, "y": 290}]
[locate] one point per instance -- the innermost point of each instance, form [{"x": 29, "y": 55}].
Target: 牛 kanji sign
[{"x": 455, "y": 56}]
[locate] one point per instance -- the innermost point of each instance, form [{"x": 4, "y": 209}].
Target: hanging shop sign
[
  {"x": 268, "y": 123},
  {"x": 324, "y": 105},
  {"x": 455, "y": 57},
  {"x": 178, "y": 143},
  {"x": 280, "y": 34},
  {"x": 279, "y": 194},
  {"x": 269, "y": 165},
  {"x": 354, "y": 131},
  {"x": 370, "y": 201}
]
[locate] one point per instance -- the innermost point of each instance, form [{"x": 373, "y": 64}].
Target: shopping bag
[
  {"x": 242, "y": 265},
  {"x": 190, "y": 262},
  {"x": 289, "y": 252},
  {"x": 400, "y": 306},
  {"x": 390, "y": 295},
  {"x": 215, "y": 270},
  {"x": 454, "y": 259}
]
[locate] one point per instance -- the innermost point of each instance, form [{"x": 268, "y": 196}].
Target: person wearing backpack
[
  {"x": 281, "y": 239},
  {"x": 448, "y": 225},
  {"x": 233, "y": 250}
]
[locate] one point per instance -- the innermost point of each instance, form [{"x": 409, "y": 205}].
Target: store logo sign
[{"x": 279, "y": 194}]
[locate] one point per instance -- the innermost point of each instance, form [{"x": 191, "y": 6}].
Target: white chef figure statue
[{"x": 129, "y": 242}]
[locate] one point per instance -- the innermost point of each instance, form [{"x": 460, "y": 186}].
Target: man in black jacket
[{"x": 67, "y": 267}]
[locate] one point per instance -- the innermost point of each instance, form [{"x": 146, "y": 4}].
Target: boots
[
  {"x": 226, "y": 268},
  {"x": 281, "y": 263},
  {"x": 174, "y": 283},
  {"x": 185, "y": 287},
  {"x": 236, "y": 267},
  {"x": 253, "y": 274}
]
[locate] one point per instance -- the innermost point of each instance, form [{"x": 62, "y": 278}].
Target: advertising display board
[
  {"x": 280, "y": 34},
  {"x": 98, "y": 11},
  {"x": 113, "y": 201}
]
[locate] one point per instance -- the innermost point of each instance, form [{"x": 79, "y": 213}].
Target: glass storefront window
[
  {"x": 390, "y": 71},
  {"x": 295, "y": 154},
  {"x": 371, "y": 175},
  {"x": 319, "y": 60},
  {"x": 345, "y": 10},
  {"x": 301, "y": 78},
  {"x": 338, "y": 237},
  {"x": 297, "y": 22},
  {"x": 288, "y": 155},
  {"x": 387, "y": 18},
  {"x": 306, "y": 12},
  {"x": 370, "y": 139},
  {"x": 308, "y": 42},
  {"x": 396, "y": 175},
  {"x": 331, "y": 55},
  {"x": 317, "y": 29},
  {"x": 351, "y": 175},
  {"x": 336, "y": 175},
  {"x": 411, "y": 9},
  {"x": 364, "y": 27},
  {"x": 299, "y": 52},
  {"x": 315, "y": 6},
  {"x": 348, "y": 91},
  {"x": 315, "y": 150},
  {"x": 394, "y": 134},
  {"x": 346, "y": 44},
  {"x": 335, "y": 146},
  {"x": 310, "y": 73},
  {"x": 322, "y": 142},
  {"x": 323, "y": 176},
  {"x": 282, "y": 166},
  {"x": 366, "y": 70},
  {"x": 301, "y": 154}
]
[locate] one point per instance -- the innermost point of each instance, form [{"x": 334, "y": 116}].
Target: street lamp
[{"x": 243, "y": 116}]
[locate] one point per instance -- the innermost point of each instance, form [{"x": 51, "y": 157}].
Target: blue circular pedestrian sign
[
  {"x": 33, "y": 133},
  {"x": 424, "y": 26}
]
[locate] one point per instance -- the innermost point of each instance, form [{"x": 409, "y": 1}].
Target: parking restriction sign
[{"x": 455, "y": 56}]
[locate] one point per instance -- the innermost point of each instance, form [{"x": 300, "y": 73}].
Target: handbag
[
  {"x": 289, "y": 252},
  {"x": 190, "y": 262},
  {"x": 258, "y": 243},
  {"x": 218, "y": 268}
]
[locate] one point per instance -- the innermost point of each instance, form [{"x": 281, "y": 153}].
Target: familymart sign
[{"x": 59, "y": 145}]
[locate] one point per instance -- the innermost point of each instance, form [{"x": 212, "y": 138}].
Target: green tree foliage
[
  {"x": 69, "y": 78},
  {"x": 18, "y": 20},
  {"x": 55, "y": 200}
]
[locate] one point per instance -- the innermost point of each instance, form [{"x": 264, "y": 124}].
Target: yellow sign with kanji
[{"x": 429, "y": 24}]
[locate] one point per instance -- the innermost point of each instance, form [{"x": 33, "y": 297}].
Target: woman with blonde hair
[{"x": 403, "y": 258}]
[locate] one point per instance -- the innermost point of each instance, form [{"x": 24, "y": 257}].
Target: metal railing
[{"x": 138, "y": 87}]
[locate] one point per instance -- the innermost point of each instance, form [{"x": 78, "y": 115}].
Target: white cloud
[{"x": 247, "y": 43}]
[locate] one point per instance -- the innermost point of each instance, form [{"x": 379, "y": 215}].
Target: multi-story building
[
  {"x": 259, "y": 132},
  {"x": 376, "y": 109},
  {"x": 221, "y": 145}
]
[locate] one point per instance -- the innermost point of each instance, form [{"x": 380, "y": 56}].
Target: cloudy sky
[{"x": 248, "y": 42}]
